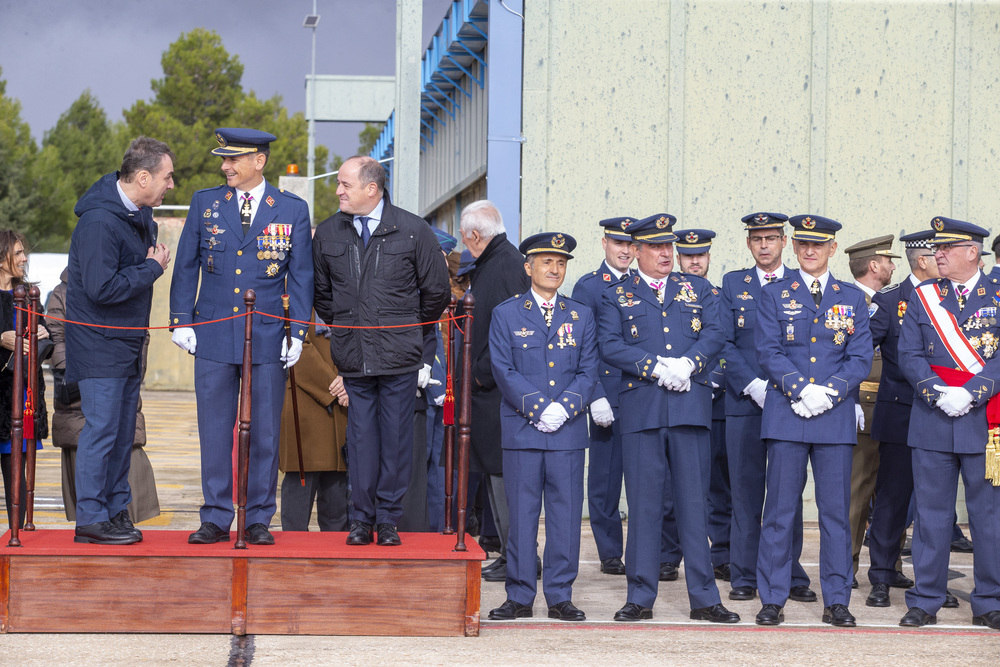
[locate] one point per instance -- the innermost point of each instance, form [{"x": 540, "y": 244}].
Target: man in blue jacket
[
  {"x": 113, "y": 261},
  {"x": 543, "y": 351},
  {"x": 815, "y": 347},
  {"x": 246, "y": 234}
]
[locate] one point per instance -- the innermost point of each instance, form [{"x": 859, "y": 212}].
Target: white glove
[
  {"x": 859, "y": 416},
  {"x": 816, "y": 399},
  {"x": 756, "y": 391},
  {"x": 185, "y": 339},
  {"x": 424, "y": 378},
  {"x": 677, "y": 375},
  {"x": 439, "y": 401},
  {"x": 291, "y": 356},
  {"x": 552, "y": 417},
  {"x": 601, "y": 412},
  {"x": 800, "y": 410},
  {"x": 954, "y": 401}
]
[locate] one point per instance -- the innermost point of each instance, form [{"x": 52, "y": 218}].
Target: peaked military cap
[
  {"x": 241, "y": 141},
  {"x": 949, "y": 231},
  {"x": 654, "y": 229},
  {"x": 557, "y": 242},
  {"x": 814, "y": 228},
  {"x": 877, "y": 247},
  {"x": 617, "y": 228},
  {"x": 921, "y": 239},
  {"x": 693, "y": 241},
  {"x": 764, "y": 220}
]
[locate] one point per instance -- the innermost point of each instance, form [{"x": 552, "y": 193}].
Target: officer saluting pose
[
  {"x": 245, "y": 234},
  {"x": 947, "y": 350},
  {"x": 543, "y": 351},
  {"x": 814, "y": 345},
  {"x": 604, "y": 475},
  {"x": 662, "y": 331}
]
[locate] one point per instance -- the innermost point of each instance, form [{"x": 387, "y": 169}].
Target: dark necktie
[
  {"x": 245, "y": 212},
  {"x": 961, "y": 291},
  {"x": 366, "y": 233},
  {"x": 816, "y": 292},
  {"x": 547, "y": 313}
]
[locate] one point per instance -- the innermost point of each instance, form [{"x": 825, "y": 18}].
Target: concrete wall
[{"x": 876, "y": 114}]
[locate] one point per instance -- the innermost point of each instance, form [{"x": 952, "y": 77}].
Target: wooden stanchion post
[
  {"x": 34, "y": 308},
  {"x": 449, "y": 428},
  {"x": 243, "y": 457},
  {"x": 465, "y": 420},
  {"x": 17, "y": 413}
]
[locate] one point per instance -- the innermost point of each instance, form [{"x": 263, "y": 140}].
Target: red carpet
[{"x": 416, "y": 546}]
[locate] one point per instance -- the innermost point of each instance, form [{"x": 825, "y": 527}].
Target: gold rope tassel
[{"x": 993, "y": 456}]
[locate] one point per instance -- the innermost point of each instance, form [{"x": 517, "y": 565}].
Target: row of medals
[
  {"x": 274, "y": 244},
  {"x": 986, "y": 342}
]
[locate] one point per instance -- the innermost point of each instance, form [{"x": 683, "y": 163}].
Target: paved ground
[{"x": 670, "y": 638}]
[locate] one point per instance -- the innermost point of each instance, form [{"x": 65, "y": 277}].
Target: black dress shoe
[
  {"x": 901, "y": 581},
  {"x": 387, "y": 535},
  {"x": 633, "y": 612},
  {"x": 839, "y": 615},
  {"x": 668, "y": 571},
  {"x": 715, "y": 614},
  {"x": 962, "y": 545},
  {"x": 743, "y": 593},
  {"x": 915, "y": 617},
  {"x": 258, "y": 533},
  {"x": 510, "y": 610},
  {"x": 613, "y": 566},
  {"x": 950, "y": 601},
  {"x": 770, "y": 614},
  {"x": 538, "y": 567},
  {"x": 209, "y": 533},
  {"x": 722, "y": 572},
  {"x": 990, "y": 619},
  {"x": 103, "y": 532},
  {"x": 879, "y": 597},
  {"x": 489, "y": 543},
  {"x": 360, "y": 535},
  {"x": 854, "y": 583},
  {"x": 122, "y": 521},
  {"x": 802, "y": 593},
  {"x": 497, "y": 571},
  {"x": 566, "y": 611}
]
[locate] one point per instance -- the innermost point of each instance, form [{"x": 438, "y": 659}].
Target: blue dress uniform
[
  {"x": 604, "y": 476},
  {"x": 747, "y": 450},
  {"x": 535, "y": 364},
  {"x": 890, "y": 424},
  {"x": 800, "y": 344},
  {"x": 665, "y": 434},
  {"x": 941, "y": 445},
  {"x": 274, "y": 258}
]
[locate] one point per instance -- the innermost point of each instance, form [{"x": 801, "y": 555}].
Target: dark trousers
[
  {"x": 327, "y": 489},
  {"x": 435, "y": 468},
  {"x": 414, "y": 519},
  {"x": 893, "y": 487},
  {"x": 604, "y": 489},
  {"x": 380, "y": 444},
  {"x": 104, "y": 450},
  {"x": 8, "y": 485}
]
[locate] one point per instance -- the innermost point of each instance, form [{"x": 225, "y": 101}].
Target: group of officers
[
  {"x": 720, "y": 397},
  {"x": 708, "y": 403}
]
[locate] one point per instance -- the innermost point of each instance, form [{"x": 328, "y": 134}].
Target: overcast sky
[{"x": 52, "y": 50}]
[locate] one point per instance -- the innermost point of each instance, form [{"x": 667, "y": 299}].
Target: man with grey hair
[
  {"x": 499, "y": 275},
  {"x": 113, "y": 261}
]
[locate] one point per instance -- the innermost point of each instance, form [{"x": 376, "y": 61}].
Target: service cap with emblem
[
  {"x": 617, "y": 228},
  {"x": 921, "y": 239},
  {"x": 555, "y": 242},
  {"x": 241, "y": 141},
  {"x": 654, "y": 229},
  {"x": 813, "y": 228},
  {"x": 693, "y": 241},
  {"x": 877, "y": 247},
  {"x": 763, "y": 220},
  {"x": 948, "y": 231}
]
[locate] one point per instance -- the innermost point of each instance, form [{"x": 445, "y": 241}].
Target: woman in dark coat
[{"x": 13, "y": 266}]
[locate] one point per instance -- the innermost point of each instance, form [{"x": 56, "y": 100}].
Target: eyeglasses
[
  {"x": 946, "y": 248},
  {"x": 770, "y": 239}
]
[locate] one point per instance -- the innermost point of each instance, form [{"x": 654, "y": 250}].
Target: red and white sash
[{"x": 947, "y": 328}]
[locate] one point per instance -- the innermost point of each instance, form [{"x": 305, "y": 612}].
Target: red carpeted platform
[{"x": 306, "y": 583}]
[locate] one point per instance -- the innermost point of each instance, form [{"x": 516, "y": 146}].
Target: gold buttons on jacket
[
  {"x": 238, "y": 272},
  {"x": 237, "y": 290},
  {"x": 235, "y": 308},
  {"x": 239, "y": 252},
  {"x": 552, "y": 383},
  {"x": 551, "y": 364}
]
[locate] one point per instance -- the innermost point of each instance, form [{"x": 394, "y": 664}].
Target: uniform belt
[{"x": 870, "y": 387}]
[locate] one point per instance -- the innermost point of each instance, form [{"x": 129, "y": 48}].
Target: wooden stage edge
[{"x": 307, "y": 583}]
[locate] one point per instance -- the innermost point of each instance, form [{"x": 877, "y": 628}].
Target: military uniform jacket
[
  {"x": 798, "y": 343},
  {"x": 920, "y": 347},
  {"x": 740, "y": 299},
  {"x": 212, "y": 246},
  {"x": 535, "y": 365},
  {"x": 634, "y": 328},
  {"x": 868, "y": 391},
  {"x": 891, "y": 416},
  {"x": 588, "y": 291}
]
